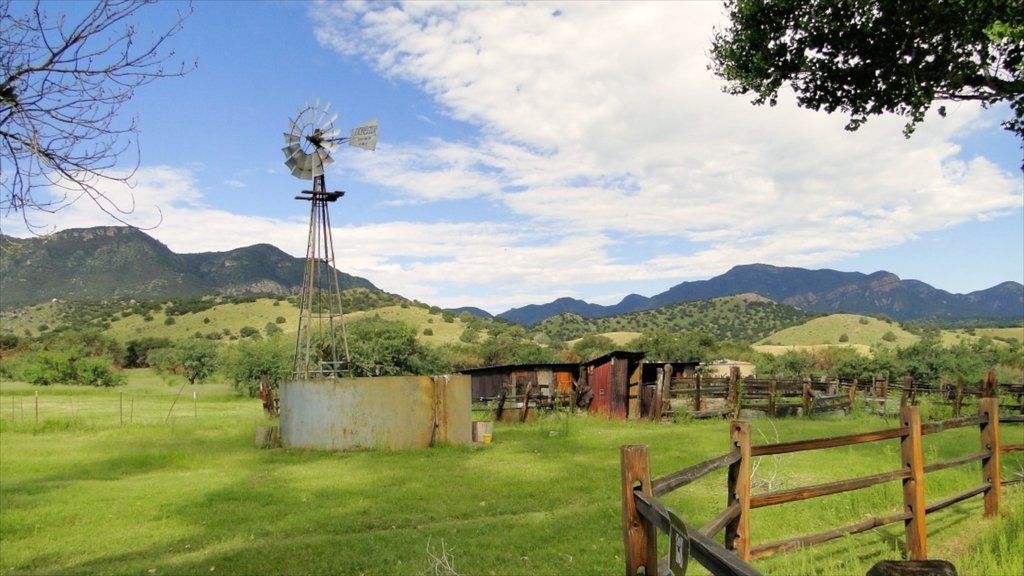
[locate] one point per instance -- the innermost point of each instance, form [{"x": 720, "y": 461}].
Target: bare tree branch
[{"x": 62, "y": 86}]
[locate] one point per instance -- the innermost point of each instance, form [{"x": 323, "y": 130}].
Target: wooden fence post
[
  {"x": 639, "y": 535},
  {"x": 696, "y": 392},
  {"x": 913, "y": 487},
  {"x": 771, "y": 397},
  {"x": 807, "y": 396},
  {"x": 737, "y": 531},
  {"x": 958, "y": 404},
  {"x": 990, "y": 385},
  {"x": 989, "y": 407},
  {"x": 734, "y": 390},
  {"x": 907, "y": 382}
]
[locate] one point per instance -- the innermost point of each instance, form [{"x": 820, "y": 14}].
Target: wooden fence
[
  {"x": 643, "y": 515},
  {"x": 705, "y": 397}
]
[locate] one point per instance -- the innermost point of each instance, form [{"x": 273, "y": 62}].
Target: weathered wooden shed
[
  {"x": 546, "y": 380},
  {"x": 613, "y": 381}
]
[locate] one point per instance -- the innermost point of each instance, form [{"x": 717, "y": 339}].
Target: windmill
[{"x": 309, "y": 142}]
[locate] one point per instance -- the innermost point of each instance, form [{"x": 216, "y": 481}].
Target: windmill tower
[{"x": 321, "y": 344}]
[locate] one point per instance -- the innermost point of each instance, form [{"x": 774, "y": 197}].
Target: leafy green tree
[
  {"x": 593, "y": 346},
  {"x": 197, "y": 359},
  {"x": 382, "y": 347},
  {"x": 661, "y": 345},
  {"x": 136, "y": 353},
  {"x": 248, "y": 362},
  {"x": 871, "y": 57}
]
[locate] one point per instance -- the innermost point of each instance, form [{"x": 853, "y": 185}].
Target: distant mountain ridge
[
  {"x": 825, "y": 291},
  {"x": 115, "y": 261},
  {"x": 112, "y": 261}
]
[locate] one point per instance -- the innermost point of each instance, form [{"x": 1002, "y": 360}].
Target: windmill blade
[
  {"x": 332, "y": 133},
  {"x": 329, "y": 122},
  {"x": 323, "y": 157},
  {"x": 291, "y": 150},
  {"x": 327, "y": 106},
  {"x": 364, "y": 136},
  {"x": 290, "y": 138}
]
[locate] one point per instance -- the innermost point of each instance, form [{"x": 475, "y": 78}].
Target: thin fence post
[
  {"x": 905, "y": 391},
  {"x": 989, "y": 408},
  {"x": 913, "y": 486},
  {"x": 37, "y": 407},
  {"x": 807, "y": 396},
  {"x": 696, "y": 392},
  {"x": 639, "y": 535},
  {"x": 852, "y": 397},
  {"x": 734, "y": 391},
  {"x": 771, "y": 397},
  {"x": 990, "y": 385},
  {"x": 737, "y": 531},
  {"x": 958, "y": 402}
]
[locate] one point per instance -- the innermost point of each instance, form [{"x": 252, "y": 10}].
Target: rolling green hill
[
  {"x": 742, "y": 318},
  {"x": 848, "y": 329}
]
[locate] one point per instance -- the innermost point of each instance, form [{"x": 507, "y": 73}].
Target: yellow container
[{"x": 486, "y": 438}]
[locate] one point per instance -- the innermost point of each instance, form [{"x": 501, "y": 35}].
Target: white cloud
[
  {"x": 604, "y": 119},
  {"x": 604, "y": 151}
]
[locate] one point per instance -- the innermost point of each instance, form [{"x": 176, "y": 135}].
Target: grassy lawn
[{"x": 107, "y": 483}]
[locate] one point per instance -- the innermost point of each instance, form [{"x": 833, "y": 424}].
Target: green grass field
[{"x": 105, "y": 482}]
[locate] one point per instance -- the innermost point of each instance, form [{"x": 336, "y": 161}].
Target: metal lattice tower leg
[{"x": 321, "y": 317}]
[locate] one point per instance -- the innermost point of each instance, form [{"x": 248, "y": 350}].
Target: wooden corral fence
[
  {"x": 643, "y": 515},
  {"x": 701, "y": 396}
]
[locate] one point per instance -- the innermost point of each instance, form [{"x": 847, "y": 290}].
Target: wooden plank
[
  {"x": 940, "y": 504},
  {"x": 719, "y": 522},
  {"x": 737, "y": 531},
  {"x": 703, "y": 549},
  {"x": 801, "y": 541},
  {"x": 955, "y": 461},
  {"x": 819, "y": 443},
  {"x": 988, "y": 408},
  {"x": 913, "y": 485},
  {"x": 674, "y": 480},
  {"x": 639, "y": 534},
  {"x": 951, "y": 424},
  {"x": 818, "y": 490}
]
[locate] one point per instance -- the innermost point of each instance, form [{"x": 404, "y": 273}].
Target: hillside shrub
[
  {"x": 47, "y": 367},
  {"x": 137, "y": 351},
  {"x": 248, "y": 362},
  {"x": 248, "y": 332}
]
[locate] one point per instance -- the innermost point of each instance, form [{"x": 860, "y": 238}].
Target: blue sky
[{"x": 533, "y": 151}]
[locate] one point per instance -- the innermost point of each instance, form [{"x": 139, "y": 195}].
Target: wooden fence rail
[
  {"x": 703, "y": 396},
  {"x": 644, "y": 516}
]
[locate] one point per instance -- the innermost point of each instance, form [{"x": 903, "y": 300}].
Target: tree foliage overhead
[
  {"x": 869, "y": 57},
  {"x": 63, "y": 82}
]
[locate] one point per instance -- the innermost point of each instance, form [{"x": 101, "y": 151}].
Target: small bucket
[{"x": 485, "y": 438}]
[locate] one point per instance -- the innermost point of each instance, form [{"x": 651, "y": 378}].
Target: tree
[
  {"x": 247, "y": 363},
  {"x": 870, "y": 57},
  {"x": 196, "y": 358},
  {"x": 62, "y": 86}
]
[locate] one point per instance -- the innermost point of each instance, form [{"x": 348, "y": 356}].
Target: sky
[{"x": 532, "y": 151}]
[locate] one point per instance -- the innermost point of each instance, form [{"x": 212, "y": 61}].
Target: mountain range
[
  {"x": 111, "y": 261},
  {"x": 121, "y": 262},
  {"x": 825, "y": 291}
]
